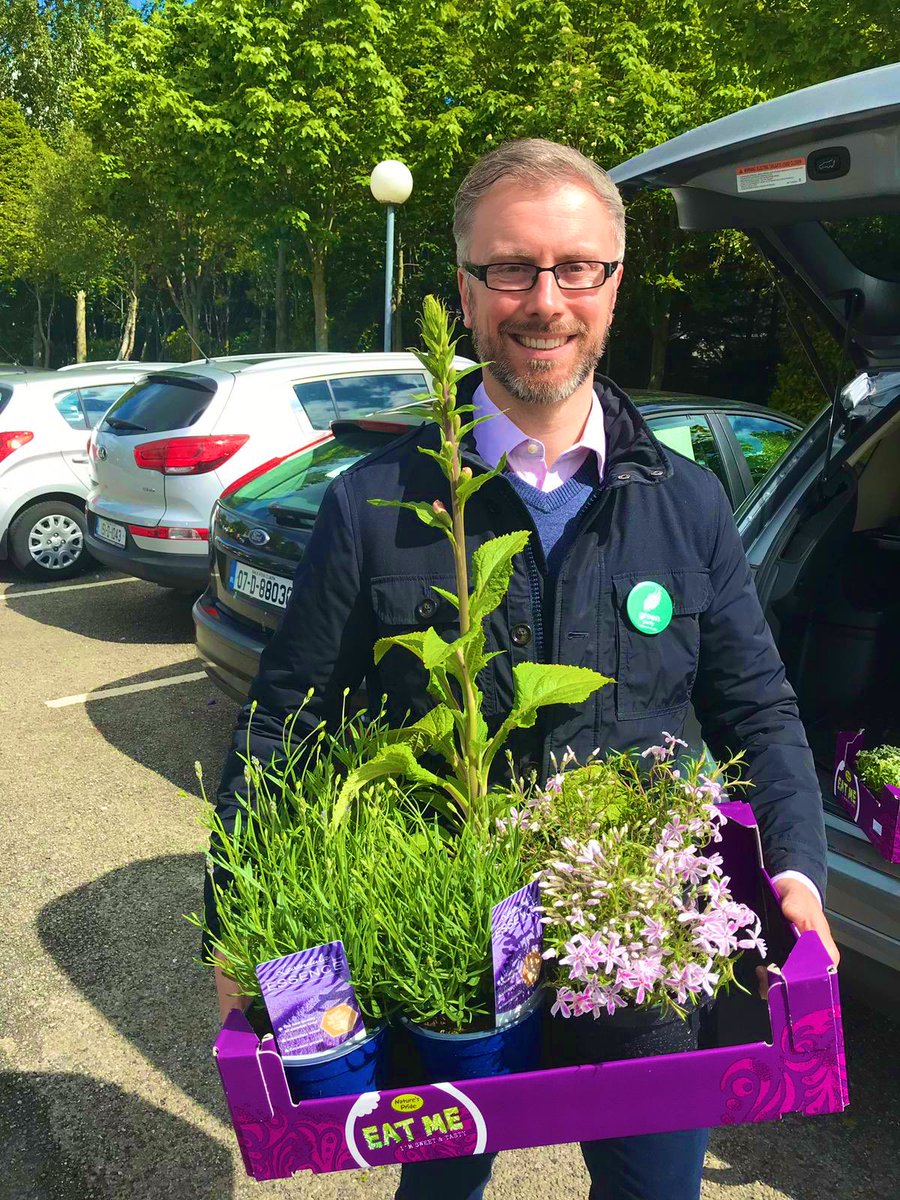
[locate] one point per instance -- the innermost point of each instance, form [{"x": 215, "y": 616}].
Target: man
[{"x": 540, "y": 241}]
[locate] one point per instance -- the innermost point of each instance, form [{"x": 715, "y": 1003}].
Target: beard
[{"x": 531, "y": 388}]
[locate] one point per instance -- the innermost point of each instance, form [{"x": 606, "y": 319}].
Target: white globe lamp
[{"x": 392, "y": 184}]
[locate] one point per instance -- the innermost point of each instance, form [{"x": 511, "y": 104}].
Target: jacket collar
[{"x": 633, "y": 455}]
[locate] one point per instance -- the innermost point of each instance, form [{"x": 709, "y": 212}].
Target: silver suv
[
  {"x": 168, "y": 448},
  {"x": 45, "y": 420}
]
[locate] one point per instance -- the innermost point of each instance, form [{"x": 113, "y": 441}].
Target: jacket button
[
  {"x": 426, "y": 609},
  {"x": 623, "y": 477},
  {"x": 521, "y": 635},
  {"x": 656, "y": 474}
]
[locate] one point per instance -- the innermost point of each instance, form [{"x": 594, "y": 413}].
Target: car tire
[{"x": 46, "y": 540}]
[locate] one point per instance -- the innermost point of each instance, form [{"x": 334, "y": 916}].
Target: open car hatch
[{"x": 814, "y": 179}]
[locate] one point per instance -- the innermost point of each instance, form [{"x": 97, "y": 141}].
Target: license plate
[
  {"x": 110, "y": 531},
  {"x": 260, "y": 585}
]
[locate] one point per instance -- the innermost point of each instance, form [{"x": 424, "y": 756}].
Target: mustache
[{"x": 549, "y": 331}]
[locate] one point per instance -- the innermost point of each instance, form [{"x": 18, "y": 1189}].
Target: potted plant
[
  {"x": 294, "y": 881},
  {"x": 436, "y": 894},
  {"x": 641, "y": 928}
]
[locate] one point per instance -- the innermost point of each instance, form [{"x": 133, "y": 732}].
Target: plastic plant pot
[
  {"x": 346, "y": 1071},
  {"x": 506, "y": 1051}
]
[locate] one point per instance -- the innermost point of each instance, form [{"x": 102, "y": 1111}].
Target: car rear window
[
  {"x": 352, "y": 396},
  {"x": 159, "y": 405},
  {"x": 871, "y": 243},
  {"x": 301, "y": 480}
]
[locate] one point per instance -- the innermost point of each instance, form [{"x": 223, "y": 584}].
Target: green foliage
[
  {"x": 879, "y": 768},
  {"x": 433, "y": 895},
  {"x": 457, "y": 729}
]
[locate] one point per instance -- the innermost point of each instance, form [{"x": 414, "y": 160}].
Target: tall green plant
[{"x": 455, "y": 728}]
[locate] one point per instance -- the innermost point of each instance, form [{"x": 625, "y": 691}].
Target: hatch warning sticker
[{"x": 785, "y": 173}]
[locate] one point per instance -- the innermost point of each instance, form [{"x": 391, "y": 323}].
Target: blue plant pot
[
  {"x": 341, "y": 1072},
  {"x": 506, "y": 1051}
]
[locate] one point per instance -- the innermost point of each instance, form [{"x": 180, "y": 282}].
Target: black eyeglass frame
[{"x": 479, "y": 271}]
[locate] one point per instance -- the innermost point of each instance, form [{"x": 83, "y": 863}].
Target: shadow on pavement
[
  {"x": 846, "y": 1155},
  {"x": 133, "y": 612},
  {"x": 168, "y": 729},
  {"x": 68, "y": 1137},
  {"x": 123, "y": 941}
]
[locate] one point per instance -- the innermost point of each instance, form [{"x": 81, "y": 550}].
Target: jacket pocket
[
  {"x": 655, "y": 672},
  {"x": 402, "y": 603}
]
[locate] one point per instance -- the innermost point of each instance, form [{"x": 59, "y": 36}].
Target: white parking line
[
  {"x": 69, "y": 587},
  {"x": 84, "y": 697}
]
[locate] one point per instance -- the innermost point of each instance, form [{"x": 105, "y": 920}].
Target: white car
[
  {"x": 45, "y": 420},
  {"x": 167, "y": 449}
]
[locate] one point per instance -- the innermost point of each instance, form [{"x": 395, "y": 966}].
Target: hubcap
[{"x": 55, "y": 542}]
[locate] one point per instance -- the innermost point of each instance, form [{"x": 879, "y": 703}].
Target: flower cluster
[{"x": 639, "y": 912}]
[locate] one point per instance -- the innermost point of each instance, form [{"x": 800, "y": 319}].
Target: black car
[{"x": 261, "y": 525}]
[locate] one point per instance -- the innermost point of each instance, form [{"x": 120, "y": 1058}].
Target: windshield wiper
[{"x": 119, "y": 423}]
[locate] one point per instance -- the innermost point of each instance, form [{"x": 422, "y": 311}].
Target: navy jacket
[{"x": 368, "y": 573}]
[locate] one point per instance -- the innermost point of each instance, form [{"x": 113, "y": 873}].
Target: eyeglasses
[{"x": 521, "y": 277}]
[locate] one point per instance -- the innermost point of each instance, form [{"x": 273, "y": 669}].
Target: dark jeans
[{"x": 654, "y": 1166}]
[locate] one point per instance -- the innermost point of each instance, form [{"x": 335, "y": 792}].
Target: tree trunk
[
  {"x": 187, "y": 300},
  {"x": 81, "y": 326},
  {"x": 281, "y": 297},
  {"x": 320, "y": 301},
  {"x": 129, "y": 329},
  {"x": 660, "y": 346}
]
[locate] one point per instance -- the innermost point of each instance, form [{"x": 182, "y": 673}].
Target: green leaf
[
  {"x": 435, "y": 651},
  {"x": 492, "y": 571},
  {"x": 412, "y": 641},
  {"x": 451, "y": 596},
  {"x": 466, "y": 488},
  {"x": 540, "y": 684},
  {"x": 428, "y": 733},
  {"x": 422, "y": 509},
  {"x": 389, "y": 762}
]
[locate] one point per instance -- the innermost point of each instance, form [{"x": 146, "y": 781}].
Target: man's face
[{"x": 542, "y": 344}]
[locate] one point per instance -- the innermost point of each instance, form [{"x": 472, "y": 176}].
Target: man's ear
[{"x": 465, "y": 296}]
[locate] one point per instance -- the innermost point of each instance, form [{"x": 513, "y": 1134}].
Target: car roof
[
  {"x": 85, "y": 375},
  {"x": 314, "y": 362},
  {"x": 645, "y": 398},
  {"x": 794, "y": 171}
]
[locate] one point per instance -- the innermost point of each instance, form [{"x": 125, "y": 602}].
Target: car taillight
[
  {"x": 10, "y": 442},
  {"x": 269, "y": 465},
  {"x": 188, "y": 455},
  {"x": 170, "y": 533}
]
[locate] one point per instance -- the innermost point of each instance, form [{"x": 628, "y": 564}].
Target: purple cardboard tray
[
  {"x": 877, "y": 816},
  {"x": 798, "y": 1067}
]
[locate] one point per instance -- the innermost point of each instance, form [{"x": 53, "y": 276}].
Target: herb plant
[
  {"x": 293, "y": 880},
  {"x": 455, "y": 728},
  {"x": 432, "y": 894},
  {"x": 879, "y": 768}
]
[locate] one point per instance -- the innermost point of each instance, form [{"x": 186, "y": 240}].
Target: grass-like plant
[
  {"x": 879, "y": 768},
  {"x": 290, "y": 878},
  {"x": 455, "y": 728},
  {"x": 432, "y": 895}
]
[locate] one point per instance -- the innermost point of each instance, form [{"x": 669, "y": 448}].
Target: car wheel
[{"x": 46, "y": 541}]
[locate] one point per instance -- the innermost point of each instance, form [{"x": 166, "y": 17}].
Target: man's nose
[{"x": 545, "y": 299}]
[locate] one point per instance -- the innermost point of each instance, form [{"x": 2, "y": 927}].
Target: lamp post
[{"x": 391, "y": 183}]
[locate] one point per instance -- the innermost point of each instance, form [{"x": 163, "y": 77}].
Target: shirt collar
[{"x": 500, "y": 435}]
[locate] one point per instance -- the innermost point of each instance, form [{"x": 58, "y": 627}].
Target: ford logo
[
  {"x": 101, "y": 453},
  {"x": 258, "y": 537}
]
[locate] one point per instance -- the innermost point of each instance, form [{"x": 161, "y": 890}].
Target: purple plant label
[
  {"x": 516, "y": 941},
  {"x": 310, "y": 1000}
]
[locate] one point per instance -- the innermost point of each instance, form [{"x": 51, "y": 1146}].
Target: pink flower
[
  {"x": 565, "y": 1000},
  {"x": 654, "y": 931},
  {"x": 754, "y": 941},
  {"x": 584, "y": 1003},
  {"x": 700, "y": 979},
  {"x": 671, "y": 742},
  {"x": 658, "y": 753},
  {"x": 609, "y": 998}
]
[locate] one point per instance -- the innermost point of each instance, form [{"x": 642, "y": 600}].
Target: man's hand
[
  {"x": 804, "y": 911},
  {"x": 227, "y": 991}
]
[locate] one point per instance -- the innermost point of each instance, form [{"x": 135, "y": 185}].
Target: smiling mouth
[{"x": 537, "y": 343}]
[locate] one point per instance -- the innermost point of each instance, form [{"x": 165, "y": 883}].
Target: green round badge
[{"x": 649, "y": 607}]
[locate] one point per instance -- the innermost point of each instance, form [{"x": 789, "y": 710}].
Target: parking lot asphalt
[{"x": 106, "y": 1020}]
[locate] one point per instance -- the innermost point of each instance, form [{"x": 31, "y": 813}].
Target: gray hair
[{"x": 534, "y": 162}]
